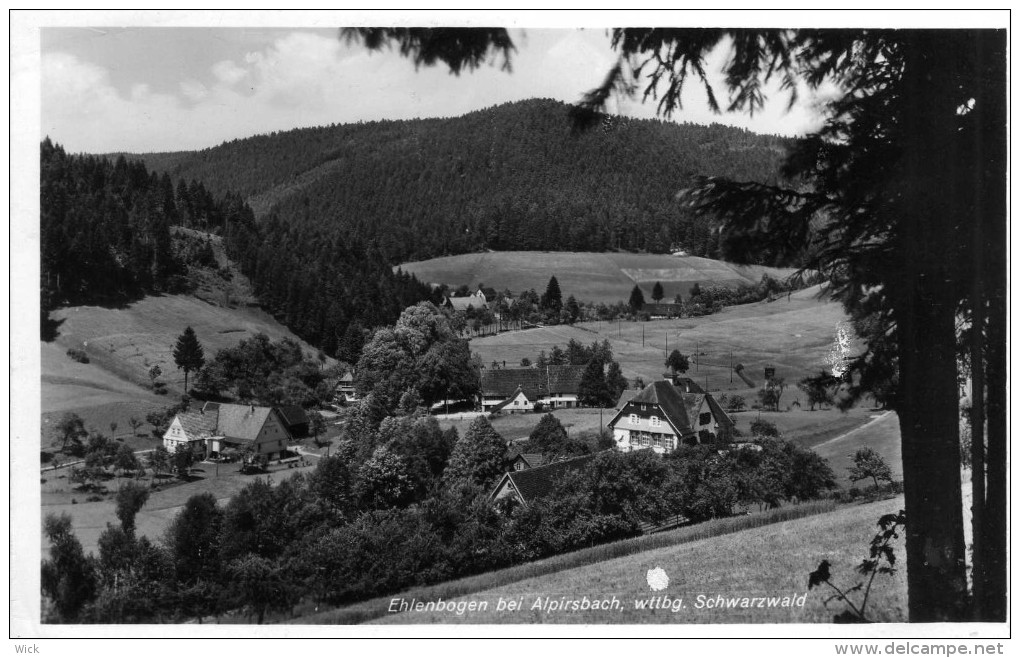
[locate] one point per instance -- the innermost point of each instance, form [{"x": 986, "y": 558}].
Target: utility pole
[
  {"x": 642, "y": 335},
  {"x": 696, "y": 350}
]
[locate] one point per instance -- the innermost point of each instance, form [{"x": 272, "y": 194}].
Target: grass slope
[
  {"x": 594, "y": 277},
  {"x": 123, "y": 343},
  {"x": 772, "y": 560},
  {"x": 795, "y": 336}
]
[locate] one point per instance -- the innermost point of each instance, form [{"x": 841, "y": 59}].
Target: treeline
[
  {"x": 509, "y": 177},
  {"x": 401, "y": 503},
  {"x": 327, "y": 287},
  {"x": 105, "y": 232},
  {"x": 105, "y": 227}
]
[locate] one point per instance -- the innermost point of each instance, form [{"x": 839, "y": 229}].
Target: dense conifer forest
[
  {"x": 510, "y": 177},
  {"x": 106, "y": 238}
]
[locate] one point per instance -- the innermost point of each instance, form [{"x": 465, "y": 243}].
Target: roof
[
  {"x": 293, "y": 415},
  {"x": 692, "y": 402},
  {"x": 669, "y": 399},
  {"x": 506, "y": 381},
  {"x": 197, "y": 424},
  {"x": 534, "y": 483},
  {"x": 679, "y": 407},
  {"x": 210, "y": 406},
  {"x": 463, "y": 303},
  {"x": 532, "y": 459},
  {"x": 506, "y": 402},
  {"x": 565, "y": 379},
  {"x": 688, "y": 385},
  {"x": 241, "y": 421}
]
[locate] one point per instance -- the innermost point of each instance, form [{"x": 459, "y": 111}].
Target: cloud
[
  {"x": 228, "y": 72},
  {"x": 302, "y": 79}
]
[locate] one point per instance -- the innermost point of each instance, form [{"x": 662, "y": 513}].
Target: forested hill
[
  {"x": 514, "y": 176},
  {"x": 106, "y": 236}
]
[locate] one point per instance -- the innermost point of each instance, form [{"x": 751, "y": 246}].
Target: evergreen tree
[
  {"x": 552, "y": 300},
  {"x": 188, "y": 354},
  {"x": 616, "y": 383},
  {"x": 573, "y": 308},
  {"x": 592, "y": 390},
  {"x": 637, "y": 299},
  {"x": 548, "y": 437},
  {"x": 657, "y": 293},
  {"x": 479, "y": 456}
]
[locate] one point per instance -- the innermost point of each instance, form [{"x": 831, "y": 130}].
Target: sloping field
[
  {"x": 768, "y": 561},
  {"x": 123, "y": 343},
  {"x": 594, "y": 277},
  {"x": 795, "y": 336}
]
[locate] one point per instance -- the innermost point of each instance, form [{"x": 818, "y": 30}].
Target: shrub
[
  {"x": 78, "y": 355},
  {"x": 763, "y": 428},
  {"x": 736, "y": 403}
]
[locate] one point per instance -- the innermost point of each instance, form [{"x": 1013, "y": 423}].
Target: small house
[
  {"x": 529, "y": 484},
  {"x": 216, "y": 427}
]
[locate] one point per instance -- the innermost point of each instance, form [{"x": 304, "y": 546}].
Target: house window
[
  {"x": 705, "y": 418},
  {"x": 634, "y": 420},
  {"x": 655, "y": 422}
]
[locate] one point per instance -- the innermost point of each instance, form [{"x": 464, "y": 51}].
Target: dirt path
[{"x": 845, "y": 435}]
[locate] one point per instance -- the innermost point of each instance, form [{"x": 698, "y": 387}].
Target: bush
[
  {"x": 46, "y": 457},
  {"x": 78, "y": 355},
  {"x": 736, "y": 403},
  {"x": 763, "y": 428}
]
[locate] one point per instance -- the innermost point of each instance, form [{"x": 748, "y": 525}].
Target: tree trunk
[
  {"x": 929, "y": 426},
  {"x": 977, "y": 444},
  {"x": 924, "y": 298},
  {"x": 990, "y": 209}
]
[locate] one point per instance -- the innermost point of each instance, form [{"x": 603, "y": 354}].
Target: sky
[{"x": 150, "y": 89}]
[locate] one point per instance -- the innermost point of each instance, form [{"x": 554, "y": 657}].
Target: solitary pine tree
[
  {"x": 637, "y": 299},
  {"x": 657, "y": 293},
  {"x": 552, "y": 300},
  {"x": 188, "y": 354}
]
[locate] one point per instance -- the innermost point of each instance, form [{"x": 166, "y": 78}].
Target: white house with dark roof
[
  {"x": 517, "y": 390},
  {"x": 667, "y": 414},
  {"x": 216, "y": 427}
]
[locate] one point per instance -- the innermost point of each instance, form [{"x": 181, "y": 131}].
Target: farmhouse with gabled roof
[
  {"x": 517, "y": 390},
  {"x": 529, "y": 484},
  {"x": 217, "y": 427},
  {"x": 669, "y": 413}
]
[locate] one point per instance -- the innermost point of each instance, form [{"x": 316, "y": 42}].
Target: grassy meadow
[
  {"x": 794, "y": 336},
  {"x": 768, "y": 560},
  {"x": 89, "y": 517},
  {"x": 122, "y": 344},
  {"x": 592, "y": 277}
]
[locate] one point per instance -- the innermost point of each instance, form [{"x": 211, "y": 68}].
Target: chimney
[{"x": 253, "y": 408}]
